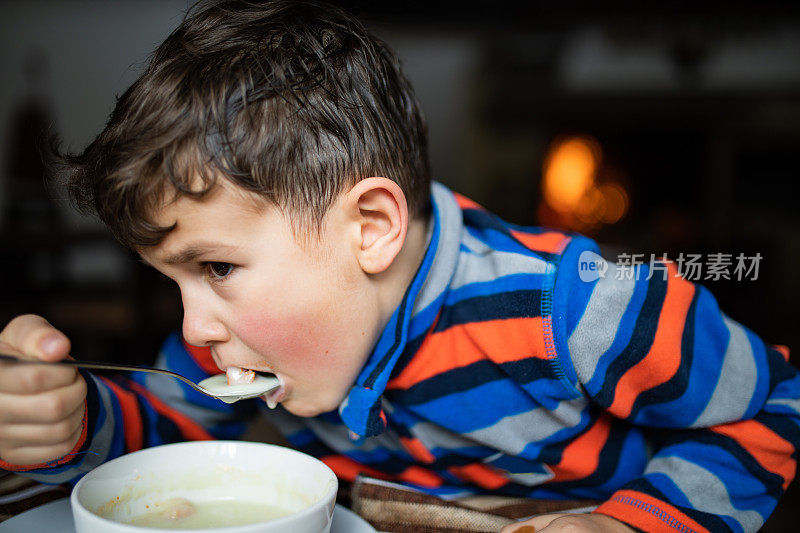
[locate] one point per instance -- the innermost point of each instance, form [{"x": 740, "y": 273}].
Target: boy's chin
[{"x": 308, "y": 409}]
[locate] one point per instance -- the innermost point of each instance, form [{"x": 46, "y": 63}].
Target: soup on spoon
[{"x": 239, "y": 384}]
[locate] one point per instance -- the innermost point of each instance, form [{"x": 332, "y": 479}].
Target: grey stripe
[
  {"x": 336, "y": 436},
  {"x": 791, "y": 403},
  {"x": 513, "y": 433},
  {"x": 704, "y": 490},
  {"x": 531, "y": 480},
  {"x": 435, "y": 436},
  {"x": 482, "y": 268},
  {"x": 598, "y": 326},
  {"x": 99, "y": 449},
  {"x": 447, "y": 251},
  {"x": 737, "y": 380},
  {"x": 477, "y": 246},
  {"x": 286, "y": 423}
]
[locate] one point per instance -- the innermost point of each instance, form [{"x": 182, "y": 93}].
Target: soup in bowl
[{"x": 210, "y": 486}]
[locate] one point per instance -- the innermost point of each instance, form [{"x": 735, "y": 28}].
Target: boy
[{"x": 272, "y": 161}]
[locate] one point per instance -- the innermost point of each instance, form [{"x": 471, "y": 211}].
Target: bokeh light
[{"x": 573, "y": 196}]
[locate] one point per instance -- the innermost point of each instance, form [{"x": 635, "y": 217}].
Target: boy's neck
[{"x": 395, "y": 280}]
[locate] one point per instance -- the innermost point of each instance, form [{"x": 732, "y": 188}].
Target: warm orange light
[
  {"x": 572, "y": 197},
  {"x": 616, "y": 203},
  {"x": 569, "y": 173}
]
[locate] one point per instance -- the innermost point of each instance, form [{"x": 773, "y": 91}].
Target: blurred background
[{"x": 654, "y": 130}]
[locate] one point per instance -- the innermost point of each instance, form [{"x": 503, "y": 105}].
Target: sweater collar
[{"x": 361, "y": 410}]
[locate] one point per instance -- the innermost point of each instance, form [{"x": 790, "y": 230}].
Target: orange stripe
[
  {"x": 190, "y": 429},
  {"x": 552, "y": 242},
  {"x": 647, "y": 513},
  {"x": 420, "y": 476},
  {"x": 466, "y": 203},
  {"x": 67, "y": 458},
  {"x": 502, "y": 341},
  {"x": 347, "y": 469},
  {"x": 480, "y": 474},
  {"x": 131, "y": 416},
  {"x": 783, "y": 350},
  {"x": 581, "y": 456},
  {"x": 202, "y": 356},
  {"x": 664, "y": 357},
  {"x": 772, "y": 451},
  {"x": 417, "y": 450}
]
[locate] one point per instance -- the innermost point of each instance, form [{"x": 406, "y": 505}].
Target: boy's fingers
[
  {"x": 47, "y": 408},
  {"x": 35, "y": 379},
  {"x": 34, "y": 455},
  {"x": 21, "y": 435},
  {"x": 32, "y": 336}
]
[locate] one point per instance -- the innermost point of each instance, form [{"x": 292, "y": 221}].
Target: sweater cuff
[
  {"x": 643, "y": 512},
  {"x": 55, "y": 462}
]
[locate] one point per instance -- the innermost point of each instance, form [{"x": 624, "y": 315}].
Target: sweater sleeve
[
  {"x": 720, "y": 407},
  {"x": 125, "y": 413}
]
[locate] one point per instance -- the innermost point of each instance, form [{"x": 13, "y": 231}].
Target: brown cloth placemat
[
  {"x": 18, "y": 494},
  {"x": 394, "y": 508}
]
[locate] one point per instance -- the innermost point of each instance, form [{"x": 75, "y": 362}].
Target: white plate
[{"x": 57, "y": 517}]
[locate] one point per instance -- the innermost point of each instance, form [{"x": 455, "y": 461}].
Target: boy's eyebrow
[{"x": 192, "y": 252}]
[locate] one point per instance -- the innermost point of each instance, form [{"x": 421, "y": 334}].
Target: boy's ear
[{"x": 380, "y": 209}]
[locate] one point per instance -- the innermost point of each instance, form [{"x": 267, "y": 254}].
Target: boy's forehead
[{"x": 222, "y": 197}]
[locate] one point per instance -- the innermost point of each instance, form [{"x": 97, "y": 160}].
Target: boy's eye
[{"x": 219, "y": 270}]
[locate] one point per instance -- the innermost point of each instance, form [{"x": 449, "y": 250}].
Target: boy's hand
[
  {"x": 573, "y": 523},
  {"x": 41, "y": 407}
]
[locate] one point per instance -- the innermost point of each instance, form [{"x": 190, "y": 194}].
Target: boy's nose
[{"x": 200, "y": 328}]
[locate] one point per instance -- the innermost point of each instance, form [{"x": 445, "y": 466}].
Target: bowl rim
[{"x": 329, "y": 495}]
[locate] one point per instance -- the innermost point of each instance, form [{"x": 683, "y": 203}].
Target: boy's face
[{"x": 263, "y": 301}]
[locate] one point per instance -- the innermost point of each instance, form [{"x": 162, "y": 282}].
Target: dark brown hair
[{"x": 290, "y": 100}]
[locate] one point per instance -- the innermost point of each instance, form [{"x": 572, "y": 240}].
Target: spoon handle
[{"x": 96, "y": 365}]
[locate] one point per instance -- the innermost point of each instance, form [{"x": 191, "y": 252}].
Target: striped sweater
[{"x": 505, "y": 370}]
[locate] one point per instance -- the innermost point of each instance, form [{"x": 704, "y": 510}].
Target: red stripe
[
  {"x": 480, "y": 474},
  {"x": 552, "y": 242},
  {"x": 417, "y": 450},
  {"x": 131, "y": 416},
  {"x": 664, "y": 357},
  {"x": 581, "y": 457},
  {"x": 769, "y": 449},
  {"x": 647, "y": 513},
  {"x": 783, "y": 350},
  {"x": 465, "y": 203},
  {"x": 501, "y": 341},
  {"x": 420, "y": 476},
  {"x": 202, "y": 356},
  {"x": 190, "y": 429},
  {"x": 347, "y": 469}
]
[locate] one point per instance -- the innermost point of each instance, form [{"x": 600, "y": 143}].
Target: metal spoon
[{"x": 227, "y": 393}]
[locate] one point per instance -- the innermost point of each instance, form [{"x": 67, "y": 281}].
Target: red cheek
[{"x": 288, "y": 343}]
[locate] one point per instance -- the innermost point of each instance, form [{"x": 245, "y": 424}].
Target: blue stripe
[
  {"x": 480, "y": 406},
  {"x": 456, "y": 380},
  {"x": 509, "y": 283},
  {"x": 675, "y": 403},
  {"x": 499, "y": 240},
  {"x": 642, "y": 339},
  {"x": 516, "y": 304},
  {"x": 622, "y": 338},
  {"x": 763, "y": 368}
]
